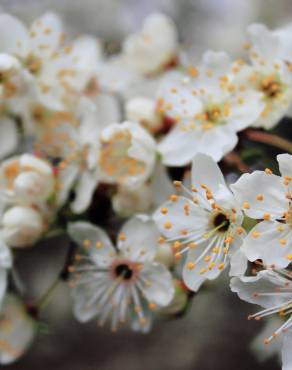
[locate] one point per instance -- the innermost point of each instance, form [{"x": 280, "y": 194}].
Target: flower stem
[
  {"x": 44, "y": 300},
  {"x": 269, "y": 139},
  {"x": 234, "y": 159}
]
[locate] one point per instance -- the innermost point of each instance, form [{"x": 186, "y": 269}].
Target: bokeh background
[{"x": 215, "y": 333}]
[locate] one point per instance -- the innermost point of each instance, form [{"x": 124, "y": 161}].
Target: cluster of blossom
[{"x": 77, "y": 119}]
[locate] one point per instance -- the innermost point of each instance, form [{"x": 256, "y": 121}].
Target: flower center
[
  {"x": 221, "y": 222},
  {"x": 124, "y": 271},
  {"x": 114, "y": 158},
  {"x": 271, "y": 87},
  {"x": 33, "y": 64}
]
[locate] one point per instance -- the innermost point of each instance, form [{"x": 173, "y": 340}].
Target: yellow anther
[
  {"x": 98, "y": 245},
  {"x": 86, "y": 243},
  {"x": 267, "y": 216},
  {"x": 173, "y": 198},
  {"x": 122, "y": 237},
  {"x": 207, "y": 258},
  {"x": 203, "y": 271},
  {"x": 246, "y": 205},
  {"x": 164, "y": 211},
  {"x": 192, "y": 245},
  {"x": 176, "y": 245},
  {"x": 268, "y": 171},
  {"x": 168, "y": 225},
  {"x": 260, "y": 197},
  {"x": 221, "y": 266},
  {"x": 283, "y": 241},
  {"x": 190, "y": 265},
  {"x": 255, "y": 234}
]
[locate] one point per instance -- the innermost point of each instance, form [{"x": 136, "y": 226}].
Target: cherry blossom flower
[
  {"x": 269, "y": 74},
  {"x": 267, "y": 197},
  {"x": 206, "y": 223},
  {"x": 122, "y": 283},
  {"x": 208, "y": 110},
  {"x": 272, "y": 290},
  {"x": 56, "y": 71}
]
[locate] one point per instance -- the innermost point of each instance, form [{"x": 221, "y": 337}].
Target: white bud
[
  {"x": 22, "y": 226},
  {"x": 165, "y": 255},
  {"x": 27, "y": 179},
  {"x": 151, "y": 49},
  {"x": 127, "y": 201},
  {"x": 143, "y": 111}
]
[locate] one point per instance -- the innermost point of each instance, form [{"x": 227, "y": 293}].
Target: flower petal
[
  {"x": 269, "y": 241},
  {"x": 99, "y": 246},
  {"x": 8, "y": 136},
  {"x": 181, "y": 217},
  {"x": 260, "y": 193},
  {"x": 159, "y": 288},
  {"x": 14, "y": 37},
  {"x": 46, "y": 34},
  {"x": 139, "y": 239}
]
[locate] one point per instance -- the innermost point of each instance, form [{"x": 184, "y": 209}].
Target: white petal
[
  {"x": 14, "y": 37},
  {"x": 264, "y": 42},
  {"x": 86, "y": 184},
  {"x": 266, "y": 281},
  {"x": 179, "y": 147},
  {"x": 238, "y": 263},
  {"x": 160, "y": 289},
  {"x": 46, "y": 33},
  {"x": 202, "y": 269},
  {"x": 268, "y": 188},
  {"x": 286, "y": 351},
  {"x": 101, "y": 253},
  {"x": 269, "y": 241},
  {"x": 176, "y": 221},
  {"x": 285, "y": 164},
  {"x": 8, "y": 136},
  {"x": 21, "y": 330},
  {"x": 245, "y": 114},
  {"x": 141, "y": 239}
]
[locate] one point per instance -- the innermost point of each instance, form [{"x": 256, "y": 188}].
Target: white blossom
[
  {"x": 267, "y": 197},
  {"x": 122, "y": 283},
  {"x": 208, "y": 110},
  {"x": 270, "y": 289},
  {"x": 206, "y": 223}
]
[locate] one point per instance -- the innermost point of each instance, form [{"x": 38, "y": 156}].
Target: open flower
[
  {"x": 17, "y": 330},
  {"x": 56, "y": 72},
  {"x": 205, "y": 223},
  {"x": 267, "y": 197},
  {"x": 74, "y": 141},
  {"x": 208, "y": 110},
  {"x": 122, "y": 283},
  {"x": 273, "y": 291},
  {"x": 127, "y": 155},
  {"x": 26, "y": 179},
  {"x": 269, "y": 74},
  {"x": 155, "y": 46}
]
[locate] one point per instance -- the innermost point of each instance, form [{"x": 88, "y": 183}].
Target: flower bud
[
  {"x": 179, "y": 302},
  {"x": 165, "y": 255},
  {"x": 143, "y": 111},
  {"x": 21, "y": 226},
  {"x": 26, "y": 179},
  {"x": 17, "y": 330},
  {"x": 151, "y": 49}
]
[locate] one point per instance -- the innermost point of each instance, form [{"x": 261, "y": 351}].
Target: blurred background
[{"x": 215, "y": 333}]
